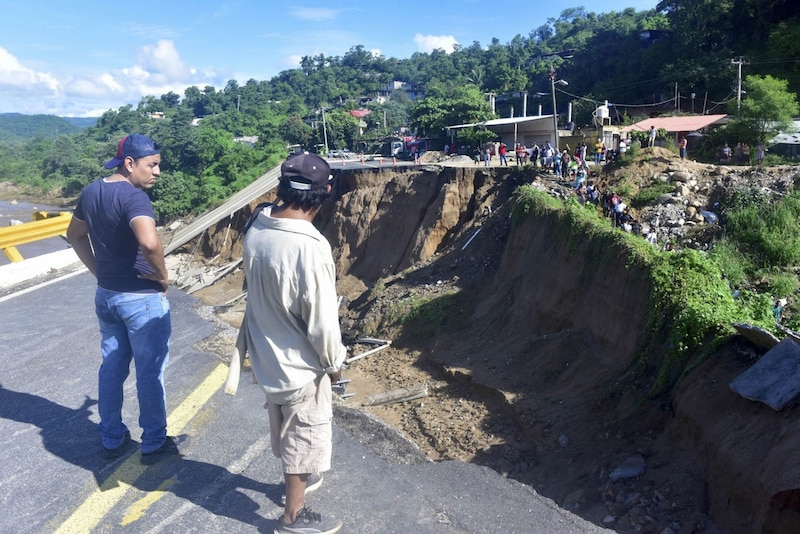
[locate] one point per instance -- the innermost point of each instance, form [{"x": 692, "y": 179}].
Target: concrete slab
[
  {"x": 15, "y": 273},
  {"x": 761, "y": 338},
  {"x": 774, "y": 379}
]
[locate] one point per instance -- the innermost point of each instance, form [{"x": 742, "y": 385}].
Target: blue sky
[{"x": 84, "y": 57}]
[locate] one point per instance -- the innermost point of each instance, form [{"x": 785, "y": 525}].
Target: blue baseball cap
[{"x": 133, "y": 145}]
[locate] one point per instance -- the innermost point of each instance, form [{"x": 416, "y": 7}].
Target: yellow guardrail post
[{"x": 45, "y": 225}]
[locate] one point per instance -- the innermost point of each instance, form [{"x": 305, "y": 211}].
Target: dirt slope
[{"x": 535, "y": 329}]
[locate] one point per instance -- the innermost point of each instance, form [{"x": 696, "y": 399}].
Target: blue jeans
[{"x": 133, "y": 326}]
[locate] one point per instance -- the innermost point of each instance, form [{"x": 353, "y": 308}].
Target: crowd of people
[
  {"x": 564, "y": 162},
  {"x": 740, "y": 154}
]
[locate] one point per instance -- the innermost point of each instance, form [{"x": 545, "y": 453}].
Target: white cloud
[
  {"x": 14, "y": 74},
  {"x": 429, "y": 43},
  {"x": 157, "y": 69},
  {"x": 163, "y": 59},
  {"x": 316, "y": 14}
]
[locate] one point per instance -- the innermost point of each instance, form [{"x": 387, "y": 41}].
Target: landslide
[{"x": 520, "y": 335}]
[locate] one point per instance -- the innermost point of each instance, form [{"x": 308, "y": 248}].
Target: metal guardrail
[{"x": 45, "y": 224}]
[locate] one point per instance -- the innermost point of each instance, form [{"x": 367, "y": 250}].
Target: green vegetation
[
  {"x": 769, "y": 231},
  {"x": 16, "y": 127},
  {"x": 683, "y": 43},
  {"x": 649, "y": 194},
  {"x": 424, "y": 318},
  {"x": 691, "y": 302}
]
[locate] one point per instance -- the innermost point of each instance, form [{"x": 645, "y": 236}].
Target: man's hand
[
  {"x": 155, "y": 278},
  {"x": 335, "y": 377}
]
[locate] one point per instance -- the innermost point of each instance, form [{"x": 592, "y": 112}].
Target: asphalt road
[{"x": 53, "y": 477}]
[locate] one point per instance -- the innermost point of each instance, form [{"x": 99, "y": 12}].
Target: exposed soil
[
  {"x": 515, "y": 381},
  {"x": 515, "y": 374}
]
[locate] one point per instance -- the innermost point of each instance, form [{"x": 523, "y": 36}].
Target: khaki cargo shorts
[{"x": 301, "y": 432}]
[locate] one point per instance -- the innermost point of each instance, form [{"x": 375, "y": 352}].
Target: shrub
[
  {"x": 767, "y": 232},
  {"x": 648, "y": 195},
  {"x": 734, "y": 265}
]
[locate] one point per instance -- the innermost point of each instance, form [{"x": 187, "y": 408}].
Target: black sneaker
[
  {"x": 313, "y": 482},
  {"x": 172, "y": 446},
  {"x": 308, "y": 522},
  {"x": 126, "y": 446}
]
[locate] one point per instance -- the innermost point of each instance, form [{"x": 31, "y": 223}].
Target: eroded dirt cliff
[{"x": 531, "y": 328}]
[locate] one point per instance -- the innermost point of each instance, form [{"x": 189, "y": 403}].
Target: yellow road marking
[
  {"x": 89, "y": 514},
  {"x": 137, "y": 509}
]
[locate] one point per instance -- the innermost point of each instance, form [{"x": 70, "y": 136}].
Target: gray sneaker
[
  {"x": 308, "y": 522},
  {"x": 313, "y": 482}
]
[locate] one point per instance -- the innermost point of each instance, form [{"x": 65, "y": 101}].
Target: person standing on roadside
[
  {"x": 598, "y": 151},
  {"x": 502, "y": 151},
  {"x": 760, "y": 150},
  {"x": 292, "y": 333},
  {"x": 651, "y": 137},
  {"x": 113, "y": 232},
  {"x": 682, "y": 148}
]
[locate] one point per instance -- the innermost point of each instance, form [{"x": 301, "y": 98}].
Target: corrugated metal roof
[
  {"x": 684, "y": 123},
  {"x": 788, "y": 138},
  {"x": 504, "y": 122}
]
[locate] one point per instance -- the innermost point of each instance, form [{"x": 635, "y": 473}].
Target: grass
[
  {"x": 691, "y": 303},
  {"x": 648, "y": 195},
  {"x": 424, "y": 318}
]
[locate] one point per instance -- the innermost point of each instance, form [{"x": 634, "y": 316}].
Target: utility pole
[
  {"x": 324, "y": 131},
  {"x": 677, "y": 99},
  {"x": 492, "y": 100},
  {"x": 553, "y": 82},
  {"x": 555, "y": 116},
  {"x": 739, "y": 61}
]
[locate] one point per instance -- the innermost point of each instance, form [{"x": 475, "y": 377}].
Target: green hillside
[{"x": 19, "y": 127}]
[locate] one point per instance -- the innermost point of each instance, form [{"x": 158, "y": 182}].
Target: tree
[
  {"x": 769, "y": 107},
  {"x": 295, "y": 131},
  {"x": 171, "y": 100},
  {"x": 465, "y": 104}
]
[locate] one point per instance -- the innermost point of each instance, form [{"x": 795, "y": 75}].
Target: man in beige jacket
[{"x": 291, "y": 330}]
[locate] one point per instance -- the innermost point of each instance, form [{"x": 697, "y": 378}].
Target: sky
[{"x": 83, "y": 57}]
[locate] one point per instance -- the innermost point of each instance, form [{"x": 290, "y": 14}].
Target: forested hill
[
  {"x": 16, "y": 126},
  {"x": 683, "y": 56}
]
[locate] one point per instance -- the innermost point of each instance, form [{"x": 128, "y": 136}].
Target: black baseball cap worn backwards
[
  {"x": 133, "y": 145},
  {"x": 306, "y": 172}
]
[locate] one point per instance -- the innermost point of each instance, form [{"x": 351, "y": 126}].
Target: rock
[
  {"x": 691, "y": 211},
  {"x": 709, "y": 216},
  {"x": 680, "y": 176},
  {"x": 632, "y": 467},
  {"x": 572, "y": 502}
]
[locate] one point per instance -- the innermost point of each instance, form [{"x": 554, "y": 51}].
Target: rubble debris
[
  {"x": 403, "y": 394},
  {"x": 631, "y": 467},
  {"x": 196, "y": 278},
  {"x": 760, "y": 337},
  {"x": 385, "y": 345},
  {"x": 774, "y": 379}
]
